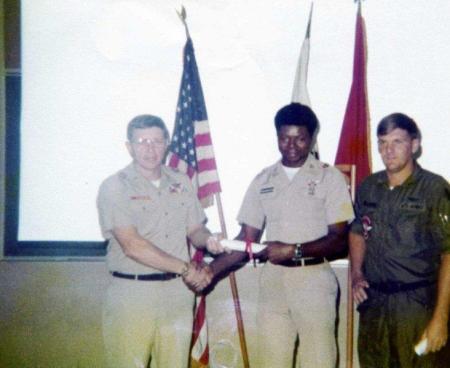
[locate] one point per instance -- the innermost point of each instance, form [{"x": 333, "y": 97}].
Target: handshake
[{"x": 198, "y": 275}]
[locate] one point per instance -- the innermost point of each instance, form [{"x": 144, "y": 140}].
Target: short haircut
[
  {"x": 400, "y": 121},
  {"x": 146, "y": 121},
  {"x": 297, "y": 114}
]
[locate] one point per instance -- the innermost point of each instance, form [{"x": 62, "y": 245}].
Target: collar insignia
[
  {"x": 312, "y": 184},
  {"x": 175, "y": 188}
]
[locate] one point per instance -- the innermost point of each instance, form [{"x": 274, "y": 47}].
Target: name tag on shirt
[
  {"x": 369, "y": 204},
  {"x": 140, "y": 198},
  {"x": 413, "y": 206},
  {"x": 266, "y": 190}
]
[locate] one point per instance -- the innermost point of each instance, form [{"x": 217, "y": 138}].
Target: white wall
[
  {"x": 50, "y": 311},
  {"x": 88, "y": 67},
  {"x": 50, "y": 314}
]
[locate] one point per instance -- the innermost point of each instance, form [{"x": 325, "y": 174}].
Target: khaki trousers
[
  {"x": 143, "y": 319},
  {"x": 297, "y": 300}
]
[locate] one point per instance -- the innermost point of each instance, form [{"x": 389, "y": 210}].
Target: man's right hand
[
  {"x": 197, "y": 277},
  {"x": 359, "y": 286}
]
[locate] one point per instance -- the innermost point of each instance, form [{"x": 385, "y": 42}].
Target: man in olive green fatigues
[{"x": 400, "y": 249}]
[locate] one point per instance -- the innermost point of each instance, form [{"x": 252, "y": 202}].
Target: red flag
[
  {"x": 199, "y": 344},
  {"x": 354, "y": 143}
]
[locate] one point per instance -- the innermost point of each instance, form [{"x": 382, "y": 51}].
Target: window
[{"x": 13, "y": 82}]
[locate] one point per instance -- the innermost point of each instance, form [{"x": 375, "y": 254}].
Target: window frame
[{"x": 13, "y": 248}]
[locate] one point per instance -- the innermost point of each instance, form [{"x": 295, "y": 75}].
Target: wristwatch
[{"x": 298, "y": 254}]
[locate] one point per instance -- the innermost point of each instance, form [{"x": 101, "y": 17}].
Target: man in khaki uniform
[
  {"x": 146, "y": 211},
  {"x": 304, "y": 206}
]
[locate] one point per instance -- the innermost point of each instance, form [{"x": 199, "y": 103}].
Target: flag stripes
[
  {"x": 191, "y": 149},
  {"x": 191, "y": 152},
  {"x": 200, "y": 350}
]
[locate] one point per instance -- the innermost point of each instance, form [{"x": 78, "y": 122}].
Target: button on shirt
[
  {"x": 299, "y": 210},
  {"x": 405, "y": 228},
  {"x": 161, "y": 215}
]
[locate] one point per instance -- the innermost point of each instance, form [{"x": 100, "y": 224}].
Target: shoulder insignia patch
[{"x": 261, "y": 173}]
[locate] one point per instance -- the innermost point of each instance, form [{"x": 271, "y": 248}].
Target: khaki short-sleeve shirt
[
  {"x": 161, "y": 215},
  {"x": 299, "y": 210}
]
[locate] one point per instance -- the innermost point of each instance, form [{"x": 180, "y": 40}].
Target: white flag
[{"x": 300, "y": 90}]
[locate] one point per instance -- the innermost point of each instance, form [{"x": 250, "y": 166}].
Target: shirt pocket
[
  {"x": 308, "y": 204},
  {"x": 176, "y": 210},
  {"x": 410, "y": 223},
  {"x": 271, "y": 205},
  {"x": 145, "y": 213}
]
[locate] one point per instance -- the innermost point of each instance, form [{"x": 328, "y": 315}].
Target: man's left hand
[
  {"x": 213, "y": 244},
  {"x": 278, "y": 252},
  {"x": 436, "y": 333}
]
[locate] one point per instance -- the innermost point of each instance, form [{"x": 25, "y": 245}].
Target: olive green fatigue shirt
[
  {"x": 299, "y": 210},
  {"x": 406, "y": 229},
  {"x": 161, "y": 215}
]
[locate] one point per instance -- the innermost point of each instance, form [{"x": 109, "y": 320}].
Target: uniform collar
[
  {"x": 133, "y": 174},
  {"x": 412, "y": 179},
  {"x": 414, "y": 176},
  {"x": 311, "y": 168}
]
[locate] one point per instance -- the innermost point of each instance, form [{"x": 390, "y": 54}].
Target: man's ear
[
  {"x": 415, "y": 145},
  {"x": 128, "y": 145}
]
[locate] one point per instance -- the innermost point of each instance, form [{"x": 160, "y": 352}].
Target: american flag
[{"x": 191, "y": 151}]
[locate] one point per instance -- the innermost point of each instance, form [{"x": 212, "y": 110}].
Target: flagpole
[
  {"x": 300, "y": 91},
  {"x": 234, "y": 289},
  {"x": 350, "y": 305}
]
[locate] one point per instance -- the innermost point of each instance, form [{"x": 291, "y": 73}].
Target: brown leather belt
[{"x": 148, "y": 277}]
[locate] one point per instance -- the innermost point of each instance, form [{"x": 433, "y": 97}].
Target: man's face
[
  {"x": 294, "y": 143},
  {"x": 148, "y": 147},
  {"x": 397, "y": 150}
]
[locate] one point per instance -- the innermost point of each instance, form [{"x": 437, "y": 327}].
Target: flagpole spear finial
[
  {"x": 182, "y": 15},
  {"x": 359, "y": 4},
  {"x": 308, "y": 29}
]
